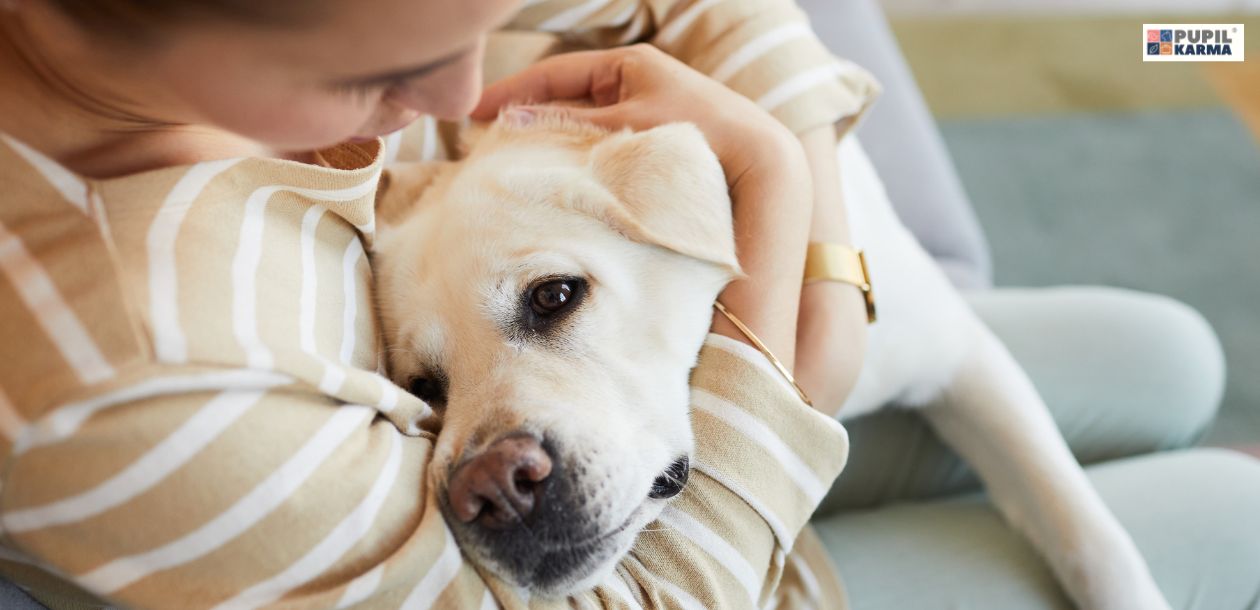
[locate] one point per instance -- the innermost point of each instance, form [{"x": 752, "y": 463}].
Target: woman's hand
[{"x": 640, "y": 87}]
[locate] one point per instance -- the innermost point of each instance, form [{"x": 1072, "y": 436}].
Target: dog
[{"x": 549, "y": 295}]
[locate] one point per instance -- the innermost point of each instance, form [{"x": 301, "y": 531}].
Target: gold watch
[{"x": 828, "y": 262}]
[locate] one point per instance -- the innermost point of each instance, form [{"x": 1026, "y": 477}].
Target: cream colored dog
[
  {"x": 549, "y": 295},
  {"x": 551, "y": 292}
]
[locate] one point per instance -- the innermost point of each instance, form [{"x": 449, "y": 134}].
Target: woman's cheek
[{"x": 308, "y": 121}]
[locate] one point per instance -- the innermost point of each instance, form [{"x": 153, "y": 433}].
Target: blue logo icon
[
  {"x": 1152, "y": 48},
  {"x": 1165, "y": 35}
]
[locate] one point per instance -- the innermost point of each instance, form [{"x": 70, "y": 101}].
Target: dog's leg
[{"x": 991, "y": 414}]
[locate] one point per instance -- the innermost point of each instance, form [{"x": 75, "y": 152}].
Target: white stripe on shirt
[
  {"x": 716, "y": 547},
  {"x": 389, "y": 395},
  {"x": 487, "y": 601},
  {"x": 168, "y": 334},
  {"x": 633, "y": 27},
  {"x": 772, "y": 519},
  {"x": 145, "y": 472},
  {"x": 393, "y": 142},
  {"x": 66, "y": 420},
  {"x": 350, "y": 290},
  {"x": 322, "y": 556},
  {"x": 750, "y": 355},
  {"x": 813, "y": 590},
  {"x": 241, "y": 516},
  {"x": 617, "y": 584},
  {"x": 308, "y": 303},
  {"x": 789, "y": 89},
  {"x": 676, "y": 28},
  {"x": 11, "y": 421},
  {"x": 428, "y": 147},
  {"x": 567, "y": 19},
  {"x": 362, "y": 587},
  {"x": 797, "y": 470},
  {"x": 249, "y": 255},
  {"x": 684, "y": 599},
  {"x": 38, "y": 292},
  {"x": 72, "y": 188},
  {"x": 757, "y": 48},
  {"x": 437, "y": 578}
]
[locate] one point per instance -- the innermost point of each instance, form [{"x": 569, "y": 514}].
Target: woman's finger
[
  {"x": 608, "y": 117},
  {"x": 594, "y": 75}
]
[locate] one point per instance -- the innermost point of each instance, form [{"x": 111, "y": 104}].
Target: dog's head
[{"x": 548, "y": 297}]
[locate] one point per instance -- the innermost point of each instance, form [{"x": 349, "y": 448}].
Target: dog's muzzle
[{"x": 517, "y": 505}]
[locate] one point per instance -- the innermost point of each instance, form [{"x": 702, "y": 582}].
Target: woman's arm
[
  {"x": 831, "y": 332},
  {"x": 246, "y": 496}
]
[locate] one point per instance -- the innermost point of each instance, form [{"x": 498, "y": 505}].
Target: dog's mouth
[
  {"x": 535, "y": 523},
  {"x": 545, "y": 564}
]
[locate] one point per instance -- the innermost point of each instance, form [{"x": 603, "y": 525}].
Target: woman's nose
[{"x": 448, "y": 94}]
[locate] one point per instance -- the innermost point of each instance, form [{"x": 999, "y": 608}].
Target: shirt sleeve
[
  {"x": 169, "y": 493},
  {"x": 764, "y": 49}
]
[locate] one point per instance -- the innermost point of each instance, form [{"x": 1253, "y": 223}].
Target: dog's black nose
[
  {"x": 501, "y": 486},
  {"x": 671, "y": 482}
]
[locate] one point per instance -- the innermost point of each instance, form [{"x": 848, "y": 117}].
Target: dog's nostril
[
  {"x": 671, "y": 482},
  {"x": 500, "y": 487}
]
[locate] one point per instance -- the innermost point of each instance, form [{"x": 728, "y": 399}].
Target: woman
[{"x": 191, "y": 405}]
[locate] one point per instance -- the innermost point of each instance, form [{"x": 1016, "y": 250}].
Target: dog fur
[
  {"x": 645, "y": 217},
  {"x": 607, "y": 390}
]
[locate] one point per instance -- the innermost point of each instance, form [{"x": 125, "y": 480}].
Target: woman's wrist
[
  {"x": 771, "y": 207},
  {"x": 831, "y": 333},
  {"x": 830, "y": 221}
]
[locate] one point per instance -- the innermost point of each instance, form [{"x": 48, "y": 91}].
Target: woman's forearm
[
  {"x": 772, "y": 203},
  {"x": 831, "y": 327}
]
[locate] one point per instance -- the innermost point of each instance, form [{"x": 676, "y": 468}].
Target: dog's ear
[
  {"x": 670, "y": 192},
  {"x": 401, "y": 187}
]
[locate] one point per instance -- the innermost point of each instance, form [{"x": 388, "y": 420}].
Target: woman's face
[{"x": 362, "y": 69}]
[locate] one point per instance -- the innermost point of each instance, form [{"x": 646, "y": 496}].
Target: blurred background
[{"x": 1086, "y": 165}]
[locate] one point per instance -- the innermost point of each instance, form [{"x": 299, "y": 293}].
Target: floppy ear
[
  {"x": 400, "y": 189},
  {"x": 670, "y": 192}
]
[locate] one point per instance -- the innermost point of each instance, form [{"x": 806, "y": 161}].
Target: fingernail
[{"x": 518, "y": 116}]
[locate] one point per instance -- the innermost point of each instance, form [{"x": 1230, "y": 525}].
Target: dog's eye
[
  {"x": 552, "y": 297},
  {"x": 671, "y": 482},
  {"x": 428, "y": 389}
]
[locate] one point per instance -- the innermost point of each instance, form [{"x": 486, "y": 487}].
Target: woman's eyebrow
[{"x": 407, "y": 73}]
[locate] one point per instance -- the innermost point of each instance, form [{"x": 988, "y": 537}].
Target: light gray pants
[{"x": 1126, "y": 375}]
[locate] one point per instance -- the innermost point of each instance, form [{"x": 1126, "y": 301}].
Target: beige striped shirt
[{"x": 192, "y": 413}]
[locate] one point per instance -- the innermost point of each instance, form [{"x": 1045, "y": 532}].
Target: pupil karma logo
[{"x": 1192, "y": 42}]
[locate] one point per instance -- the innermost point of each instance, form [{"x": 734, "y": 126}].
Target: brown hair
[{"x": 145, "y": 20}]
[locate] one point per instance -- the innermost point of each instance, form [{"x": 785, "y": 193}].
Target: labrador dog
[{"x": 549, "y": 295}]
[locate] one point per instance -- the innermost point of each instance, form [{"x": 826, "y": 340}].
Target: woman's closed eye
[{"x": 367, "y": 90}]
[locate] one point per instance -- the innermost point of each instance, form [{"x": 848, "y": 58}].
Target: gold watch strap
[{"x": 827, "y": 262}]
